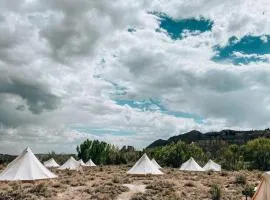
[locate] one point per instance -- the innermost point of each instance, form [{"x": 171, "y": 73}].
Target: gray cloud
[
  {"x": 157, "y": 73},
  {"x": 237, "y": 96},
  {"x": 37, "y": 96},
  {"x": 51, "y": 77},
  {"x": 77, "y": 28},
  {"x": 221, "y": 81}
]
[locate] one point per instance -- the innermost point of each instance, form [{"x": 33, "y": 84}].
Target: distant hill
[{"x": 209, "y": 139}]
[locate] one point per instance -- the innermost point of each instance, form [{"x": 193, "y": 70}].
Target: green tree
[
  {"x": 232, "y": 157},
  {"x": 103, "y": 153},
  {"x": 176, "y": 153},
  {"x": 257, "y": 152},
  {"x": 95, "y": 150}
]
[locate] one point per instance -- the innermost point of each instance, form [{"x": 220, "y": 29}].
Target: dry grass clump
[
  {"x": 107, "y": 191},
  {"x": 190, "y": 184},
  {"x": 240, "y": 179},
  {"x": 116, "y": 179},
  {"x": 139, "y": 196},
  {"x": 34, "y": 191},
  {"x": 159, "y": 190},
  {"x": 127, "y": 180},
  {"x": 93, "y": 183},
  {"x": 14, "y": 192},
  {"x": 77, "y": 182},
  {"x": 101, "y": 169},
  {"x": 210, "y": 172},
  {"x": 42, "y": 189},
  {"x": 224, "y": 173}
]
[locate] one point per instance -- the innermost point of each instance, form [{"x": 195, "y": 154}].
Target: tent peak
[
  {"x": 144, "y": 166},
  {"x": 191, "y": 165},
  {"x": 28, "y": 149},
  {"x": 211, "y": 165},
  {"x": 26, "y": 166},
  {"x": 71, "y": 164}
]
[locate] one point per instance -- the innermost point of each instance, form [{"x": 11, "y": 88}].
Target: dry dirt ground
[{"x": 109, "y": 182}]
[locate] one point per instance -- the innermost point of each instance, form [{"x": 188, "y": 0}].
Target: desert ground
[{"x": 112, "y": 182}]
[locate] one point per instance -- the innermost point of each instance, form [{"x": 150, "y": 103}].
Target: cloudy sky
[{"x": 130, "y": 72}]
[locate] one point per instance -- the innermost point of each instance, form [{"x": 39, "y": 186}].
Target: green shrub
[
  {"x": 248, "y": 191},
  {"x": 215, "y": 192}
]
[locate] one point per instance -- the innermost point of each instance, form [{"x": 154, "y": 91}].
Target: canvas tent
[
  {"x": 191, "y": 165},
  {"x": 71, "y": 164},
  {"x": 144, "y": 166},
  {"x": 263, "y": 190},
  {"x": 90, "y": 163},
  {"x": 212, "y": 166},
  {"x": 51, "y": 163},
  {"x": 82, "y": 163},
  {"x": 155, "y": 163},
  {"x": 26, "y": 167}
]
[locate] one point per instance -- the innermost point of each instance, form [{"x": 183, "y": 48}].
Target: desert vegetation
[
  {"x": 108, "y": 183},
  {"x": 252, "y": 155},
  {"x": 108, "y": 180}
]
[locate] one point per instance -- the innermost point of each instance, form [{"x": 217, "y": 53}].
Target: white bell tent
[
  {"x": 26, "y": 167},
  {"x": 71, "y": 164},
  {"x": 90, "y": 163},
  {"x": 51, "y": 163},
  {"x": 263, "y": 190},
  {"x": 82, "y": 163},
  {"x": 191, "y": 165},
  {"x": 144, "y": 166},
  {"x": 212, "y": 166},
  {"x": 155, "y": 163}
]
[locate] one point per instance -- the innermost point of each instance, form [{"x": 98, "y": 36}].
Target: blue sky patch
[
  {"x": 146, "y": 105},
  {"x": 251, "y": 47},
  {"x": 118, "y": 89},
  {"x": 155, "y": 105},
  {"x": 176, "y": 28},
  {"x": 198, "y": 119}
]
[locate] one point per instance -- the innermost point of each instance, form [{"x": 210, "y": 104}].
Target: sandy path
[{"x": 133, "y": 189}]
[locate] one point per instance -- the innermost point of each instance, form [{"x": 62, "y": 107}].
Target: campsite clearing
[{"x": 108, "y": 182}]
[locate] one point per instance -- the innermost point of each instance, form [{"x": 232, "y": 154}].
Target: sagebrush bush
[
  {"x": 248, "y": 191},
  {"x": 189, "y": 184},
  {"x": 215, "y": 192},
  {"x": 223, "y": 173},
  {"x": 210, "y": 172},
  {"x": 116, "y": 179},
  {"x": 69, "y": 172},
  {"x": 138, "y": 196},
  {"x": 240, "y": 179},
  {"x": 39, "y": 189}
]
